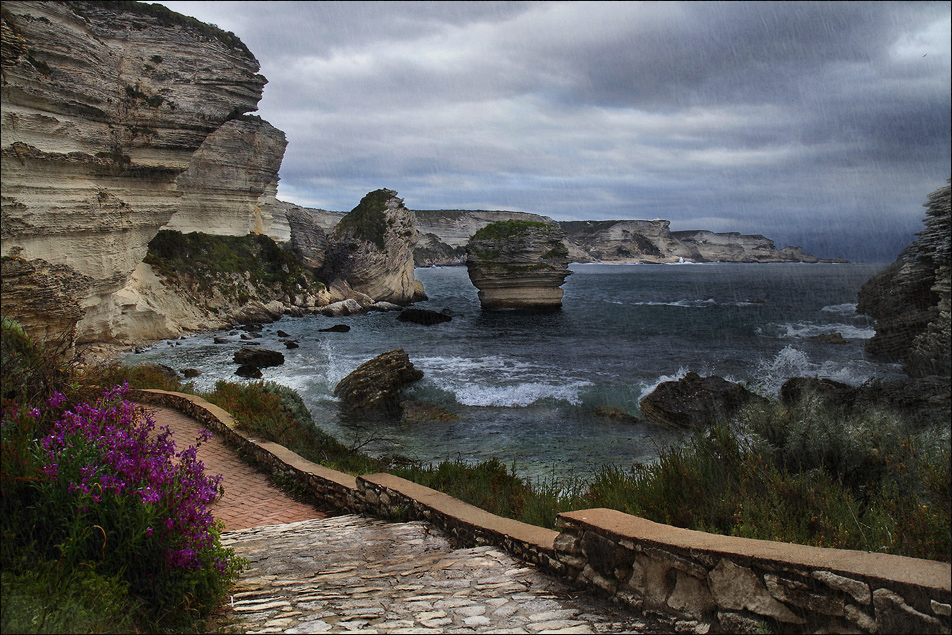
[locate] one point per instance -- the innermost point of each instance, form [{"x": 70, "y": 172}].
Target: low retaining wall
[{"x": 704, "y": 582}]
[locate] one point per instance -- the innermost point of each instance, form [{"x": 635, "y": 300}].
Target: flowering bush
[{"x": 112, "y": 493}]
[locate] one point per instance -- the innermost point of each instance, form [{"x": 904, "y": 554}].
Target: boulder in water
[
  {"x": 249, "y": 371},
  {"x": 694, "y": 401},
  {"x": 376, "y": 384},
  {"x": 258, "y": 357}
]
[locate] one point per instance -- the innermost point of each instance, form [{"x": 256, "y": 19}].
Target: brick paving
[{"x": 249, "y": 500}]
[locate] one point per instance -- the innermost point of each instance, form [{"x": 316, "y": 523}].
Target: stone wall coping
[
  {"x": 929, "y": 574},
  {"x": 464, "y": 512},
  {"x": 218, "y": 413},
  {"x": 298, "y": 462}
]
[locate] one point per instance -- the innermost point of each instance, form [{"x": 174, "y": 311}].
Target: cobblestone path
[{"x": 355, "y": 574}]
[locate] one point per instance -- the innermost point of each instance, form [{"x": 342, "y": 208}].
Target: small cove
[{"x": 525, "y": 385}]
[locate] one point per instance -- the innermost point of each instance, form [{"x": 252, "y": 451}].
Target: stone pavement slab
[{"x": 355, "y": 574}]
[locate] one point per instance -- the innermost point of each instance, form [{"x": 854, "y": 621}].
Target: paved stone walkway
[
  {"x": 354, "y": 574},
  {"x": 310, "y": 572}
]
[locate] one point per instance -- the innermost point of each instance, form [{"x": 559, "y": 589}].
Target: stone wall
[{"x": 703, "y": 582}]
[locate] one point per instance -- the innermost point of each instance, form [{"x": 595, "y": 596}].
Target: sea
[{"x": 525, "y": 385}]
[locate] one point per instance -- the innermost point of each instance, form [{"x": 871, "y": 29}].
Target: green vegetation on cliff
[
  {"x": 509, "y": 229},
  {"x": 208, "y": 260},
  {"x": 368, "y": 221}
]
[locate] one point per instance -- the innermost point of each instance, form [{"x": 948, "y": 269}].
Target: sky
[{"x": 823, "y": 125}]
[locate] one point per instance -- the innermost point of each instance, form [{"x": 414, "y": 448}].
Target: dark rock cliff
[{"x": 910, "y": 299}]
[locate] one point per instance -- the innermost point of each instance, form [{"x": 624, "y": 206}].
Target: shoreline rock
[{"x": 376, "y": 384}]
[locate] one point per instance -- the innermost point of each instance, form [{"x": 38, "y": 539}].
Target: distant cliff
[
  {"x": 911, "y": 299},
  {"x": 444, "y": 232},
  {"x": 119, "y": 119}
]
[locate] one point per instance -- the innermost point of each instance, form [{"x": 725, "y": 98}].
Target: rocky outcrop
[
  {"x": 308, "y": 239},
  {"x": 625, "y": 241},
  {"x": 455, "y": 227},
  {"x": 518, "y": 264},
  {"x": 258, "y": 357},
  {"x": 104, "y": 107},
  {"x": 925, "y": 400},
  {"x": 694, "y": 401},
  {"x": 370, "y": 251},
  {"x": 376, "y": 384},
  {"x": 425, "y": 317},
  {"x": 910, "y": 299}
]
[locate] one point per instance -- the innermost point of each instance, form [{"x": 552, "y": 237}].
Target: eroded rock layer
[
  {"x": 518, "y": 265},
  {"x": 103, "y": 108}
]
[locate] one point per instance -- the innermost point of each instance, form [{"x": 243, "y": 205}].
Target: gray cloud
[{"x": 820, "y": 124}]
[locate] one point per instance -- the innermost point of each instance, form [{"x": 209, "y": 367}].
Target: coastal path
[{"x": 311, "y": 571}]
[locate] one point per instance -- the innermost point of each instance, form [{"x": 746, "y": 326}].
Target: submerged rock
[
  {"x": 518, "y": 264},
  {"x": 425, "y": 317},
  {"x": 423, "y": 412},
  {"x": 337, "y": 328},
  {"x": 376, "y": 384},
  {"x": 617, "y": 414},
  {"x": 695, "y": 401}
]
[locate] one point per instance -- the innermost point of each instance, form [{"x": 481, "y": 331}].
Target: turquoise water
[{"x": 525, "y": 384}]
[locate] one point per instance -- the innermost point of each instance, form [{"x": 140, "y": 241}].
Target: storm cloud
[{"x": 823, "y": 125}]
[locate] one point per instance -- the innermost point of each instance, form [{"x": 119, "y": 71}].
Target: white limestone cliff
[{"x": 110, "y": 114}]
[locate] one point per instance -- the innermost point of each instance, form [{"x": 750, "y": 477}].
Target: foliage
[
  {"x": 209, "y": 259},
  {"x": 509, "y": 229},
  {"x": 799, "y": 475},
  {"x": 49, "y": 598},
  {"x": 99, "y": 509},
  {"x": 277, "y": 413}
]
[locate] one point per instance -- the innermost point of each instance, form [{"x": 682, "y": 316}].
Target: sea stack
[
  {"x": 518, "y": 264},
  {"x": 370, "y": 251}
]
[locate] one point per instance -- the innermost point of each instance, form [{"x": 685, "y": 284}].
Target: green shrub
[
  {"x": 509, "y": 229},
  {"x": 278, "y": 414},
  {"x": 368, "y": 221},
  {"x": 98, "y": 514}
]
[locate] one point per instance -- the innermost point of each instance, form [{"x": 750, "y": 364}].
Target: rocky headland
[
  {"x": 105, "y": 108},
  {"x": 910, "y": 299},
  {"x": 612, "y": 241},
  {"x": 518, "y": 264},
  {"x": 139, "y": 197},
  {"x": 370, "y": 251}
]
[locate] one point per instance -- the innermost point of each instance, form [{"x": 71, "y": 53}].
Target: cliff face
[
  {"x": 456, "y": 227},
  {"x": 625, "y": 241},
  {"x": 518, "y": 264},
  {"x": 233, "y": 168},
  {"x": 105, "y": 106},
  {"x": 370, "y": 251},
  {"x": 910, "y": 299}
]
